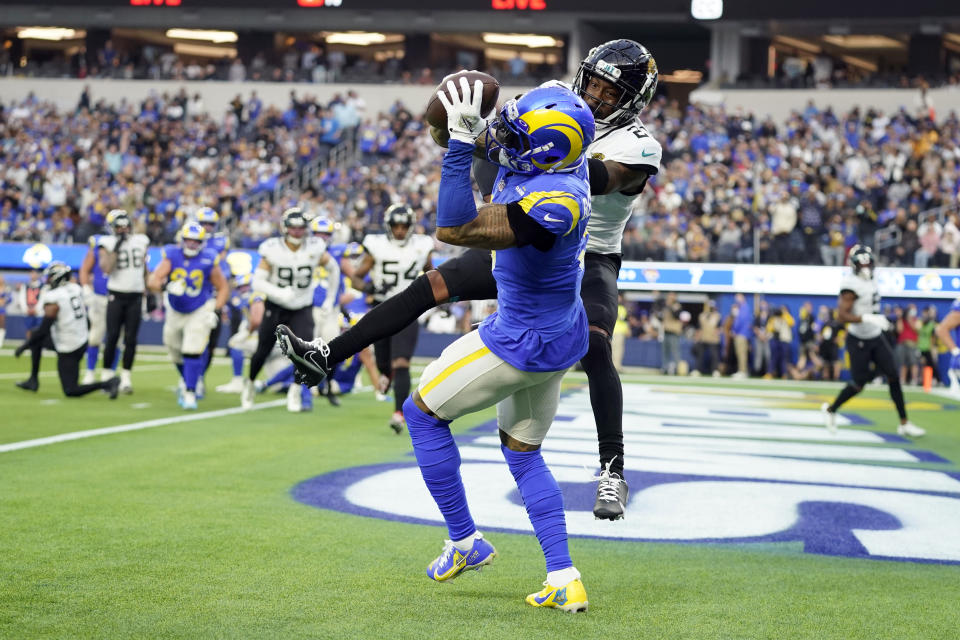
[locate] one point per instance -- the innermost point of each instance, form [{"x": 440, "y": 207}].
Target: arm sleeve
[
  {"x": 455, "y": 205},
  {"x": 527, "y": 230},
  {"x": 599, "y": 176},
  {"x": 485, "y": 173}
]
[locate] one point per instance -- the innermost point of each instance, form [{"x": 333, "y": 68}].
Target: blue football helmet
[
  {"x": 546, "y": 130},
  {"x": 192, "y": 236},
  {"x": 207, "y": 216},
  {"x": 322, "y": 225}
]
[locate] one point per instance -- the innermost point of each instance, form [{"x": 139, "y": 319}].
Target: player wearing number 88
[
  {"x": 123, "y": 257},
  {"x": 394, "y": 259},
  {"x": 188, "y": 274},
  {"x": 284, "y": 276}
]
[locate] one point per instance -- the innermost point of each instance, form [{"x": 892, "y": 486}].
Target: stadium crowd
[{"x": 734, "y": 187}]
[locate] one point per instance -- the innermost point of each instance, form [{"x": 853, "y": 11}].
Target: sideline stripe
[{"x": 134, "y": 426}]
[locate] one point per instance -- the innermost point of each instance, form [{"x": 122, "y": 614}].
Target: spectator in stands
[
  {"x": 783, "y": 220},
  {"x": 671, "y": 330},
  {"x": 707, "y": 340},
  {"x": 929, "y": 233},
  {"x": 907, "y": 327},
  {"x": 780, "y": 331}
]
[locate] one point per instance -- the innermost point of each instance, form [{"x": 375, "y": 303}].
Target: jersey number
[
  {"x": 301, "y": 279},
  {"x": 391, "y": 276},
  {"x": 77, "y": 305},
  {"x": 132, "y": 257},
  {"x": 194, "y": 280}
]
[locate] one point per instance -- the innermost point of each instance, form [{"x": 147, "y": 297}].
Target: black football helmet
[
  {"x": 630, "y": 67},
  {"x": 294, "y": 218},
  {"x": 56, "y": 274},
  {"x": 397, "y": 215},
  {"x": 861, "y": 261}
]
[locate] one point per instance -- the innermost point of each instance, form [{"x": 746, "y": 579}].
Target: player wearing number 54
[{"x": 189, "y": 274}]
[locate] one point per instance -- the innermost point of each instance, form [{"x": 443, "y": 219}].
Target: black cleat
[
  {"x": 331, "y": 396},
  {"x": 30, "y": 384},
  {"x": 112, "y": 387},
  {"x": 612, "y": 493},
  {"x": 309, "y": 358}
]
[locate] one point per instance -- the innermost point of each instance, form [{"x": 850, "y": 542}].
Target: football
[{"x": 436, "y": 115}]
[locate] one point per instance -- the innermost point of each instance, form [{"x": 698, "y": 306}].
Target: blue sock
[
  {"x": 236, "y": 356},
  {"x": 116, "y": 360},
  {"x": 544, "y": 502},
  {"x": 93, "y": 354},
  {"x": 179, "y": 366},
  {"x": 306, "y": 397},
  {"x": 284, "y": 376},
  {"x": 439, "y": 461},
  {"x": 192, "y": 367}
]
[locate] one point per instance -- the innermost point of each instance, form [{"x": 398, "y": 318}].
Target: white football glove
[
  {"x": 879, "y": 321},
  {"x": 88, "y": 295},
  {"x": 463, "y": 114},
  {"x": 177, "y": 287}
]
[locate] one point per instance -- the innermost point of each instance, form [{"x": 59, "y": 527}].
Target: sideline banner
[{"x": 894, "y": 282}]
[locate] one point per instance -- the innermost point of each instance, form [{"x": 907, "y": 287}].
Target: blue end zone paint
[
  {"x": 927, "y": 456},
  {"x": 892, "y": 437},
  {"x": 855, "y": 419},
  {"x": 564, "y": 418},
  {"x": 727, "y": 412}
]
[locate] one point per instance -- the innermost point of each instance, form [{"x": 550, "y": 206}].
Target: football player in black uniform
[{"x": 617, "y": 80}]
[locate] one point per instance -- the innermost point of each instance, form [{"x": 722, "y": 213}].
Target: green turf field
[{"x": 190, "y": 530}]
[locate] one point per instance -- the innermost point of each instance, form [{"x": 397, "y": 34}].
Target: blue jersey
[
  {"x": 955, "y": 307},
  {"x": 196, "y": 272},
  {"x": 5, "y": 299},
  {"x": 99, "y": 277},
  {"x": 219, "y": 243},
  {"x": 540, "y": 323}
]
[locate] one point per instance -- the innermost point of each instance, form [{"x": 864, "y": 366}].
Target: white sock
[
  {"x": 467, "y": 543},
  {"x": 562, "y": 577},
  {"x": 3, "y": 334}
]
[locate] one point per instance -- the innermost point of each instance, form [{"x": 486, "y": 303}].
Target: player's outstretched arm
[
  {"x": 157, "y": 280},
  {"x": 945, "y": 331},
  {"x": 609, "y": 176},
  {"x": 489, "y": 230},
  {"x": 845, "y": 312}
]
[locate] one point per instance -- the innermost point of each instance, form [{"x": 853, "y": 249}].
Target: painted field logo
[{"x": 704, "y": 465}]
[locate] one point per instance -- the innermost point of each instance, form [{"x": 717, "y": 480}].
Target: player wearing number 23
[{"x": 189, "y": 273}]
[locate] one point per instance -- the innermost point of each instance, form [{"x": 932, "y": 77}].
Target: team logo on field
[{"x": 703, "y": 466}]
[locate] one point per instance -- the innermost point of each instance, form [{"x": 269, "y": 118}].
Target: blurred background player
[
  {"x": 123, "y": 257},
  {"x": 238, "y": 305},
  {"x": 326, "y": 303},
  {"x": 94, "y": 283},
  {"x": 948, "y": 332},
  {"x": 189, "y": 273},
  {"x": 65, "y": 324},
  {"x": 284, "y": 276},
  {"x": 394, "y": 259},
  {"x": 219, "y": 242},
  {"x": 5, "y": 299},
  {"x": 28, "y": 297},
  {"x": 869, "y": 350}
]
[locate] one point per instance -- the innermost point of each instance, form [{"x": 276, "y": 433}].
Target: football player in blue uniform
[
  {"x": 189, "y": 273},
  {"x": 948, "y": 331},
  {"x": 536, "y": 226},
  {"x": 94, "y": 283},
  {"x": 238, "y": 306},
  {"x": 219, "y": 242}
]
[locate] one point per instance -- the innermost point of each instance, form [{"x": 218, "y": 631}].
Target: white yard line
[
  {"x": 133, "y": 426},
  {"x": 53, "y": 374}
]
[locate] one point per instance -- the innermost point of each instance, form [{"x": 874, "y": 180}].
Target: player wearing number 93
[
  {"x": 65, "y": 321},
  {"x": 189, "y": 273},
  {"x": 284, "y": 276},
  {"x": 123, "y": 257}
]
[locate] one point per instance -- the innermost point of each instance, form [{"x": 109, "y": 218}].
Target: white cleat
[
  {"x": 189, "y": 401},
  {"x": 247, "y": 395},
  {"x": 910, "y": 430},
  {"x": 107, "y": 374},
  {"x": 87, "y": 377},
  {"x": 126, "y": 386},
  {"x": 829, "y": 419},
  {"x": 294, "y": 400},
  {"x": 234, "y": 386},
  {"x": 201, "y": 389}
]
